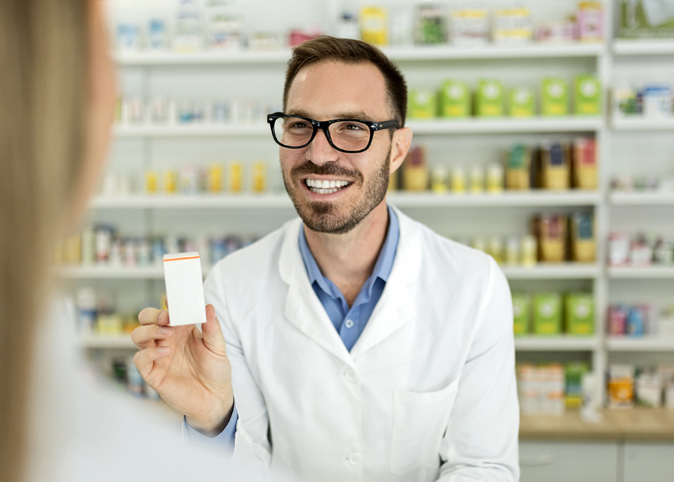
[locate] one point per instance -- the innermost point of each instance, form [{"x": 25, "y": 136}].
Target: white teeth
[
  {"x": 332, "y": 184},
  {"x": 325, "y": 186}
]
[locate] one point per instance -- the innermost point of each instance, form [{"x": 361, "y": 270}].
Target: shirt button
[
  {"x": 355, "y": 459},
  {"x": 351, "y": 375},
  {"x": 349, "y": 323}
]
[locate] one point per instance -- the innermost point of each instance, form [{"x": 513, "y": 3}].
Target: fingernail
[
  {"x": 164, "y": 330},
  {"x": 163, "y": 350}
]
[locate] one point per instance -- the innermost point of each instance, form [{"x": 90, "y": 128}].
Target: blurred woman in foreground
[{"x": 57, "y": 96}]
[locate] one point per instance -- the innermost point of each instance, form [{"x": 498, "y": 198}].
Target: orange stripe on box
[{"x": 180, "y": 259}]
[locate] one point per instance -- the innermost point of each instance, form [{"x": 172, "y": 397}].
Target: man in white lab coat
[{"x": 353, "y": 344}]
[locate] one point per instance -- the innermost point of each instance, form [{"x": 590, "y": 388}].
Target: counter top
[{"x": 637, "y": 424}]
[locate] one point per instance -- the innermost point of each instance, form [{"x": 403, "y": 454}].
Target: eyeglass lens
[{"x": 345, "y": 135}]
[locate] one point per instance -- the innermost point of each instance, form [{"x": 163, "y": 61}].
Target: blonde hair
[{"x": 43, "y": 51}]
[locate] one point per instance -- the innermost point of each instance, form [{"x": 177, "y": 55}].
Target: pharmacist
[{"x": 360, "y": 345}]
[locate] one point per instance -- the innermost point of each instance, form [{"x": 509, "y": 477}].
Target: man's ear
[{"x": 400, "y": 144}]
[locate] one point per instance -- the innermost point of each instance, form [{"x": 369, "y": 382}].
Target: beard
[{"x": 338, "y": 217}]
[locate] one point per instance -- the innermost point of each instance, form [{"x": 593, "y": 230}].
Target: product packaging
[
  {"x": 430, "y": 24},
  {"x": 555, "y": 160},
  {"x": 657, "y": 101},
  {"x": 259, "y": 177},
  {"x": 554, "y": 97},
  {"x": 512, "y": 26},
  {"x": 188, "y": 35},
  {"x": 590, "y": 18},
  {"x": 617, "y": 320},
  {"x": 454, "y": 99},
  {"x": 649, "y": 390},
  {"x": 439, "y": 180},
  {"x": 421, "y": 104},
  {"x": 557, "y": 32},
  {"x": 347, "y": 25},
  {"x": 489, "y": 98},
  {"x": 652, "y": 19},
  {"x": 236, "y": 177},
  {"x": 574, "y": 383},
  {"x": 415, "y": 170},
  {"x": 128, "y": 37},
  {"x": 579, "y": 314},
  {"x": 458, "y": 180},
  {"x": 521, "y": 313},
  {"x": 554, "y": 382},
  {"x": 517, "y": 167},
  {"x": 373, "y": 25},
  {"x": 587, "y": 95},
  {"x": 215, "y": 178},
  {"x": 512, "y": 253},
  {"x": 529, "y": 250},
  {"x": 521, "y": 102},
  {"x": 184, "y": 289},
  {"x": 157, "y": 34},
  {"x": 401, "y": 26},
  {"x": 621, "y": 386},
  {"x": 618, "y": 248},
  {"x": 495, "y": 249},
  {"x": 469, "y": 26},
  {"x": 551, "y": 233},
  {"x": 583, "y": 245},
  {"x": 476, "y": 180},
  {"x": 584, "y": 164},
  {"x": 636, "y": 321},
  {"x": 547, "y": 314},
  {"x": 495, "y": 178},
  {"x": 224, "y": 30}
]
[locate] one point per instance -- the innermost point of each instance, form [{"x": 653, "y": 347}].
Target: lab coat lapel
[
  {"x": 396, "y": 305},
  {"x": 303, "y": 309}
]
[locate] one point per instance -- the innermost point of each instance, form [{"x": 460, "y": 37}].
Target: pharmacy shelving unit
[{"x": 599, "y": 56}]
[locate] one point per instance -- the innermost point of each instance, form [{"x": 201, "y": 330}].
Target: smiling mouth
[{"x": 325, "y": 186}]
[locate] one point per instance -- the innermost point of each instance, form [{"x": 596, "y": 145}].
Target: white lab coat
[{"x": 427, "y": 392}]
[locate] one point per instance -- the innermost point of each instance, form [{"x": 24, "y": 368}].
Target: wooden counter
[{"x": 637, "y": 424}]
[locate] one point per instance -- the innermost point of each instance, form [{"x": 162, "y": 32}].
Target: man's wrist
[{"x": 215, "y": 424}]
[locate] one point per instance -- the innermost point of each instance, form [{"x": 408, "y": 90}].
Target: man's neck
[{"x": 349, "y": 259}]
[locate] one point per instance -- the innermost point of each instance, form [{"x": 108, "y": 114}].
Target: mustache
[{"x": 327, "y": 169}]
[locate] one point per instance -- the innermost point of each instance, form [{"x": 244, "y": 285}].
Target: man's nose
[{"x": 320, "y": 151}]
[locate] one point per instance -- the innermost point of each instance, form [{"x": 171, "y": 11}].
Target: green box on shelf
[
  {"x": 548, "y": 314},
  {"x": 489, "y": 98},
  {"x": 574, "y": 383},
  {"x": 521, "y": 102},
  {"x": 587, "y": 95},
  {"x": 454, "y": 99},
  {"x": 521, "y": 313},
  {"x": 646, "y": 19},
  {"x": 579, "y": 314},
  {"x": 554, "y": 97},
  {"x": 422, "y": 104}
]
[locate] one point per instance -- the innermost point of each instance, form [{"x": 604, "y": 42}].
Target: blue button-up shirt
[{"x": 349, "y": 322}]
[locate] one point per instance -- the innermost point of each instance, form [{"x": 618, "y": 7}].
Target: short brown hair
[{"x": 349, "y": 51}]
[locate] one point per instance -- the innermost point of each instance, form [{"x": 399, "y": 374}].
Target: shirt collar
[{"x": 382, "y": 268}]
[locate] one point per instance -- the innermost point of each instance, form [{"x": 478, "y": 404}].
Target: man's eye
[
  {"x": 298, "y": 125},
  {"x": 353, "y": 127}
]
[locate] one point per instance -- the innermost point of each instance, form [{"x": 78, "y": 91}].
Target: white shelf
[
  {"x": 506, "y": 125},
  {"x": 642, "y": 198},
  {"x": 553, "y": 271},
  {"x": 640, "y": 344},
  {"x": 99, "y": 341},
  {"x": 193, "y": 130},
  {"x": 639, "y": 123},
  {"x": 643, "y": 47},
  {"x": 402, "y": 54},
  {"x": 540, "y": 271},
  {"x": 107, "y": 272},
  {"x": 649, "y": 272},
  {"x": 421, "y": 127},
  {"x": 197, "y": 201},
  {"x": 402, "y": 200},
  {"x": 556, "y": 343}
]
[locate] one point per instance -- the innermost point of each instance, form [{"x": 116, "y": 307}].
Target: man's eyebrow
[{"x": 358, "y": 114}]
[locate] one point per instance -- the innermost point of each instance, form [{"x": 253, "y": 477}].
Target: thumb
[{"x": 212, "y": 333}]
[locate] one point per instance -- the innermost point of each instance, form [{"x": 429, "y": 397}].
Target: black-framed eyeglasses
[{"x": 345, "y": 135}]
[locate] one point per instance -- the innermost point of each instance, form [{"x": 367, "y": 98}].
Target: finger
[
  {"x": 212, "y": 333},
  {"x": 148, "y": 335},
  {"x": 153, "y": 316},
  {"x": 145, "y": 359}
]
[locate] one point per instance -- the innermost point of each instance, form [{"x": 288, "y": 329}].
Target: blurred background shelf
[
  {"x": 553, "y": 271},
  {"x": 639, "y": 123},
  {"x": 406, "y": 54},
  {"x": 99, "y": 341},
  {"x": 402, "y": 200},
  {"x": 641, "y": 198},
  {"x": 640, "y": 344},
  {"x": 556, "y": 343},
  {"x": 650, "y": 272},
  {"x": 643, "y": 47}
]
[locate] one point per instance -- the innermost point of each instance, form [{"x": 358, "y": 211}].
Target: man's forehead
[{"x": 330, "y": 90}]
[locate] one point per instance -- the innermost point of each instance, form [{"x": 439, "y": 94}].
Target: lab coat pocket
[{"x": 419, "y": 423}]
